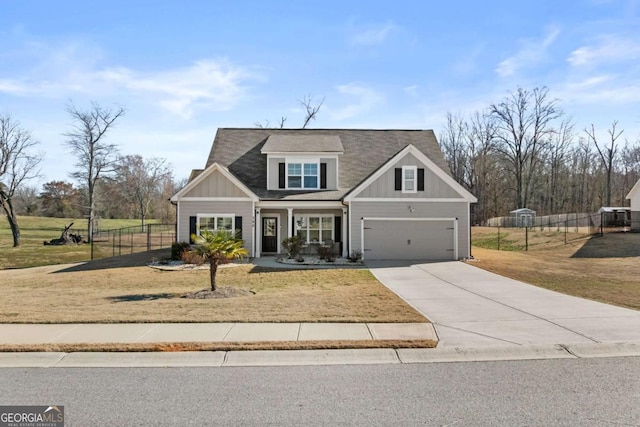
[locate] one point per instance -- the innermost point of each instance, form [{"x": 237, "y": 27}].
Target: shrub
[
  {"x": 293, "y": 245},
  {"x": 355, "y": 256},
  {"x": 192, "y": 257},
  {"x": 177, "y": 249},
  {"x": 323, "y": 251}
]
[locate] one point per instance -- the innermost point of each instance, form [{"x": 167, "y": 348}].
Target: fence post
[
  {"x": 566, "y": 226},
  {"x": 498, "y": 237},
  {"x": 526, "y": 238},
  {"x": 119, "y": 242},
  {"x": 92, "y": 249},
  {"x": 601, "y": 224},
  {"x": 148, "y": 237}
]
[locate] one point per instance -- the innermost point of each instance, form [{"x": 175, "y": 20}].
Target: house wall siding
[
  {"x": 272, "y": 182},
  {"x": 332, "y": 173},
  {"x": 635, "y": 221},
  {"x": 384, "y": 186},
  {"x": 216, "y": 185},
  {"x": 458, "y": 210},
  {"x": 243, "y": 209}
]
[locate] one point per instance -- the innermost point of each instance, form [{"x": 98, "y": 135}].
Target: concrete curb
[
  {"x": 483, "y": 354},
  {"x": 318, "y": 357}
]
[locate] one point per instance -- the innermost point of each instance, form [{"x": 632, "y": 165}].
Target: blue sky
[{"x": 183, "y": 69}]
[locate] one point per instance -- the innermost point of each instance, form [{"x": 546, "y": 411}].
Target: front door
[{"x": 269, "y": 234}]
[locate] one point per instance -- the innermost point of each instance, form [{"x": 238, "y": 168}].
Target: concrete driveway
[{"x": 473, "y": 307}]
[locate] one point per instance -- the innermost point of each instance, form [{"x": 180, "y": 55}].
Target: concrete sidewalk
[{"x": 127, "y": 333}]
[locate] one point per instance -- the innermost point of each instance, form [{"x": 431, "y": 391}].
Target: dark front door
[{"x": 269, "y": 234}]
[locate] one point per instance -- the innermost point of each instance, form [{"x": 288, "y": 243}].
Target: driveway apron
[{"x": 471, "y": 307}]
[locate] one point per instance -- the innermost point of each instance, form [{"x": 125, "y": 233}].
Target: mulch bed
[{"x": 220, "y": 292}]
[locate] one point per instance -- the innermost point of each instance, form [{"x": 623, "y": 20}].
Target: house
[
  {"x": 523, "y": 217},
  {"x": 634, "y": 197},
  {"x": 386, "y": 193}
]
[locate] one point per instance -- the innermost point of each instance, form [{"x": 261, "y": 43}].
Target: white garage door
[{"x": 410, "y": 239}]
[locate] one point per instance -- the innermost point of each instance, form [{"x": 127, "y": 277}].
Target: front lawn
[
  {"x": 114, "y": 291},
  {"x": 605, "y": 269}
]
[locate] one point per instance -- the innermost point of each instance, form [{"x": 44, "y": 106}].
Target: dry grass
[
  {"x": 221, "y": 346},
  {"x": 604, "y": 269},
  {"x": 120, "y": 290},
  {"x": 35, "y": 230}
]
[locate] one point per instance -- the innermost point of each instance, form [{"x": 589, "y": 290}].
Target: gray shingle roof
[
  {"x": 365, "y": 151},
  {"x": 303, "y": 144}
]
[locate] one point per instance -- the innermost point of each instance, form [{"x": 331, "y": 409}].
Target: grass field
[
  {"x": 35, "y": 230},
  {"x": 124, "y": 290},
  {"x": 605, "y": 269}
]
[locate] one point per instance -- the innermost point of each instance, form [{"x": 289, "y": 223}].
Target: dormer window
[{"x": 303, "y": 175}]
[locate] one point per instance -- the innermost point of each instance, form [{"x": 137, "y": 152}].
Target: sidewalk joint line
[
  {"x": 148, "y": 332},
  {"x": 370, "y": 332}
]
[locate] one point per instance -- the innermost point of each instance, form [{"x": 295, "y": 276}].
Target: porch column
[
  {"x": 258, "y": 233},
  {"x": 345, "y": 228},
  {"x": 289, "y": 222}
]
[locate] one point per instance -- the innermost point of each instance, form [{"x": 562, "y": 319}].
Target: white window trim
[
  {"x": 302, "y": 162},
  {"x": 415, "y": 179},
  {"x": 320, "y": 216},
  {"x": 232, "y": 216}
]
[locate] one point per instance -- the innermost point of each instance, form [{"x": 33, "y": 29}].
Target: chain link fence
[{"x": 128, "y": 240}]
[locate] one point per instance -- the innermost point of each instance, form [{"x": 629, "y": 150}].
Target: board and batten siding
[
  {"x": 452, "y": 209},
  {"x": 215, "y": 185},
  {"x": 193, "y": 208},
  {"x": 384, "y": 186}
]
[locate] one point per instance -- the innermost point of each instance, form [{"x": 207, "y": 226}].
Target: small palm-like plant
[{"x": 218, "y": 247}]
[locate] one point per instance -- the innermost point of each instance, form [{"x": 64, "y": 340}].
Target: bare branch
[{"x": 310, "y": 108}]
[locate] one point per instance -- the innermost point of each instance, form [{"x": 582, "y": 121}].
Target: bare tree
[
  {"x": 311, "y": 109},
  {"x": 267, "y": 123},
  {"x": 95, "y": 157},
  {"x": 26, "y": 200},
  {"x": 607, "y": 154},
  {"x": 141, "y": 181},
  {"x": 18, "y": 163},
  {"x": 524, "y": 123}
]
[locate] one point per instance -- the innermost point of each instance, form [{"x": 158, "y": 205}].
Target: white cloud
[
  {"x": 607, "y": 49},
  {"x": 366, "y": 99},
  {"x": 531, "y": 52},
  {"x": 411, "y": 90},
  {"x": 205, "y": 85},
  {"x": 372, "y": 35}
]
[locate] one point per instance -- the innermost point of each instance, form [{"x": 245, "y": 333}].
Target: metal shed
[{"x": 523, "y": 217}]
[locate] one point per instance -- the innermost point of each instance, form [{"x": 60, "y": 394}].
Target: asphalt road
[{"x": 572, "y": 392}]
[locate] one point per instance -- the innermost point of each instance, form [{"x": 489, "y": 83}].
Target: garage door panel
[{"x": 413, "y": 240}]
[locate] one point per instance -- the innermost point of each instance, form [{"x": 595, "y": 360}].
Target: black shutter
[
  {"x": 281, "y": 175},
  {"x": 420, "y": 179},
  {"x": 238, "y": 227},
  {"x": 193, "y": 222},
  {"x": 323, "y": 175},
  {"x": 337, "y": 225},
  {"x": 398, "y": 179}
]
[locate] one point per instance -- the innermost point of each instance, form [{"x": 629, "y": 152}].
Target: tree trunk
[
  {"x": 213, "y": 269},
  {"x": 7, "y": 206}
]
